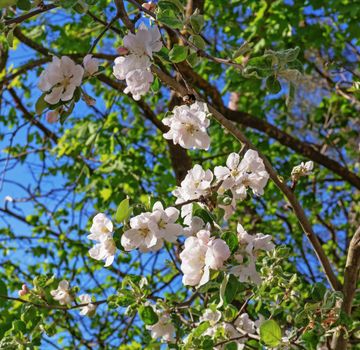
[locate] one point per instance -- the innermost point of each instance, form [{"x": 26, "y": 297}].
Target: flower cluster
[
  {"x": 135, "y": 66},
  {"x": 102, "y": 233},
  {"x": 62, "y": 76},
  {"x": 239, "y": 175},
  {"x": 246, "y": 256},
  {"x": 64, "y": 296},
  {"x": 237, "y": 331},
  {"x": 149, "y": 230},
  {"x": 188, "y": 126},
  {"x": 202, "y": 253}
]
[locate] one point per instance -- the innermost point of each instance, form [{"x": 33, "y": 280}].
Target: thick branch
[{"x": 351, "y": 276}]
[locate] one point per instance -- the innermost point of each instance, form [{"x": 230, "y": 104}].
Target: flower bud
[
  {"x": 122, "y": 51},
  {"x": 52, "y": 116},
  {"x": 150, "y": 6}
]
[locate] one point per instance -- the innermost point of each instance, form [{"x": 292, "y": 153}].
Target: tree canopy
[{"x": 205, "y": 151}]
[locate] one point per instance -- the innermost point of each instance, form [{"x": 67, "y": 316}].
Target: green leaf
[
  {"x": 24, "y": 5},
  {"x": 231, "y": 346},
  {"x": 40, "y": 104},
  {"x": 273, "y": 85},
  {"x": 231, "y": 289},
  {"x": 148, "y": 315},
  {"x": 198, "y": 41},
  {"x": 258, "y": 67},
  {"x": 193, "y": 59},
  {"x": 3, "y": 292},
  {"x": 175, "y": 5},
  {"x": 197, "y": 22},
  {"x": 200, "y": 329},
  {"x": 270, "y": 333},
  {"x": 6, "y": 3},
  {"x": 178, "y": 53},
  {"x": 170, "y": 19},
  {"x": 231, "y": 240},
  {"x": 122, "y": 212}
]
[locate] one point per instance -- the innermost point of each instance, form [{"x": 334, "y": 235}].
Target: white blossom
[
  {"x": 244, "y": 323},
  {"x": 212, "y": 316},
  {"x": 303, "y": 169},
  {"x": 62, "y": 293},
  {"x": 91, "y": 65},
  {"x": 167, "y": 229},
  {"x": 163, "y": 329},
  {"x": 138, "y": 82},
  {"x": 245, "y": 270},
  {"x": 193, "y": 225},
  {"x": 202, "y": 252},
  {"x": 104, "y": 250},
  {"x": 144, "y": 42},
  {"x": 196, "y": 183},
  {"x": 143, "y": 234},
  {"x": 90, "y": 308},
  {"x": 60, "y": 79},
  {"x": 188, "y": 126},
  {"x": 239, "y": 175},
  {"x": 135, "y": 67},
  {"x": 102, "y": 227}
]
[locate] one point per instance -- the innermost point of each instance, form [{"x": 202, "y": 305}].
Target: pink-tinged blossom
[
  {"x": 163, "y": 329},
  {"x": 62, "y": 293},
  {"x": 52, "y": 116},
  {"x": 135, "y": 66},
  {"x": 188, "y": 126},
  {"x": 201, "y": 253},
  {"x": 91, "y": 65},
  {"x": 60, "y": 79}
]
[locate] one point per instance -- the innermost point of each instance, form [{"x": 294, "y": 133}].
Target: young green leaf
[
  {"x": 148, "y": 315},
  {"x": 122, "y": 212},
  {"x": 270, "y": 333},
  {"x": 178, "y": 53}
]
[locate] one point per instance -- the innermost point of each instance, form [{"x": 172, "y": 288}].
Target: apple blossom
[
  {"x": 135, "y": 67},
  {"x": 138, "y": 82},
  {"x": 194, "y": 225},
  {"x": 167, "y": 229},
  {"x": 144, "y": 42},
  {"x": 255, "y": 242},
  {"x": 244, "y": 323},
  {"x": 303, "y": 169},
  {"x": 163, "y": 328},
  {"x": 188, "y": 126},
  {"x": 212, "y": 316},
  {"x": 101, "y": 228},
  {"x": 89, "y": 309},
  {"x": 62, "y": 293},
  {"x": 201, "y": 253},
  {"x": 142, "y": 234},
  {"x": 23, "y": 291},
  {"x": 104, "y": 250},
  {"x": 238, "y": 175},
  {"x": 91, "y": 65},
  {"x": 60, "y": 79}
]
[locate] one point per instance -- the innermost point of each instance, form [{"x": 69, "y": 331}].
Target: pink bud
[
  {"x": 52, "y": 116},
  {"x": 150, "y": 6},
  {"x": 122, "y": 50},
  {"x": 21, "y": 293}
]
